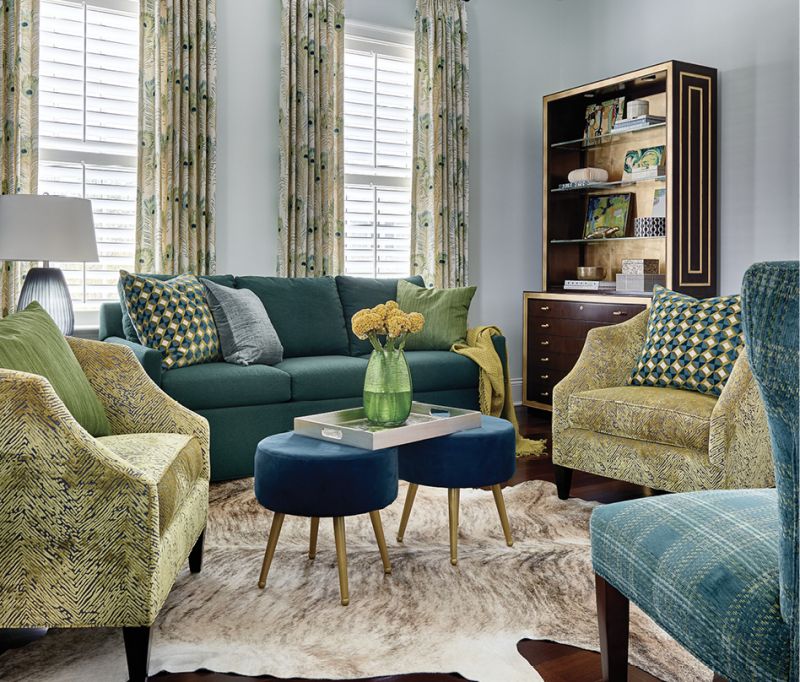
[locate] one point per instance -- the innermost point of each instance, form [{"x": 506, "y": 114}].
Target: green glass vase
[{"x": 387, "y": 388}]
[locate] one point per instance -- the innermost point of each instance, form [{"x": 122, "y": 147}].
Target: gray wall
[
  {"x": 519, "y": 51},
  {"x": 754, "y": 45}
]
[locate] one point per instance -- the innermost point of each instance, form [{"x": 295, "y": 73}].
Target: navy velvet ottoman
[
  {"x": 307, "y": 477},
  {"x": 475, "y": 458}
]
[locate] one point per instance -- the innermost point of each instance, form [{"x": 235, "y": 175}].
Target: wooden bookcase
[{"x": 556, "y": 320}]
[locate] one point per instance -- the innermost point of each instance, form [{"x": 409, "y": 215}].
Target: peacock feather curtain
[
  {"x": 440, "y": 187},
  {"x": 175, "y": 228},
  {"x": 19, "y": 109},
  {"x": 311, "y": 214}
]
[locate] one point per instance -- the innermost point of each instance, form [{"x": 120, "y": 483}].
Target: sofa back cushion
[
  {"x": 31, "y": 342},
  {"x": 305, "y": 311},
  {"x": 127, "y": 326},
  {"x": 357, "y": 293}
]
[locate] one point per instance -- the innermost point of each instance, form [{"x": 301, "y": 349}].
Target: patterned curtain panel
[
  {"x": 175, "y": 229},
  {"x": 19, "y": 108},
  {"x": 440, "y": 189},
  {"x": 311, "y": 217}
]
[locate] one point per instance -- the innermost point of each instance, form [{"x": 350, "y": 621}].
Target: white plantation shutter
[
  {"x": 378, "y": 128},
  {"x": 88, "y": 109}
]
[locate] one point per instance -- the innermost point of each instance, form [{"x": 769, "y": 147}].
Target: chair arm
[
  {"x": 72, "y": 514},
  {"x": 607, "y": 360},
  {"x": 739, "y": 439},
  {"x": 149, "y": 358},
  {"x": 133, "y": 403}
]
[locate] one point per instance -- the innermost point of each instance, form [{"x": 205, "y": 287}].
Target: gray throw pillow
[{"x": 243, "y": 325}]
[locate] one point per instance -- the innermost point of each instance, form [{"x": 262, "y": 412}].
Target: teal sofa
[{"x": 323, "y": 367}]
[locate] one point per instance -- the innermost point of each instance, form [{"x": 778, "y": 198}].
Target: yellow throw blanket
[{"x": 494, "y": 388}]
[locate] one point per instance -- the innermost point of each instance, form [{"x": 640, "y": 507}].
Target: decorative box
[
  {"x": 649, "y": 227},
  {"x": 640, "y": 266},
  {"x": 588, "y": 175},
  {"x": 639, "y": 283}
]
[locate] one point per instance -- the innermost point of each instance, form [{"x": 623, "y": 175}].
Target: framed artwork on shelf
[
  {"x": 660, "y": 203},
  {"x": 600, "y": 118},
  {"x": 641, "y": 164},
  {"x": 607, "y": 215}
]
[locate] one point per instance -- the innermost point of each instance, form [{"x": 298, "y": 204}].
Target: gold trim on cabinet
[
  {"x": 597, "y": 298},
  {"x": 537, "y": 405}
]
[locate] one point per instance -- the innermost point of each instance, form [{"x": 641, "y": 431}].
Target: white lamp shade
[{"x": 47, "y": 228}]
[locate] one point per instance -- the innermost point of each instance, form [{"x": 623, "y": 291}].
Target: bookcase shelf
[
  {"x": 594, "y": 186},
  {"x": 609, "y": 138}
]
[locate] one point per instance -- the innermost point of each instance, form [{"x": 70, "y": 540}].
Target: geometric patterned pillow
[
  {"x": 172, "y": 317},
  {"x": 691, "y": 343}
]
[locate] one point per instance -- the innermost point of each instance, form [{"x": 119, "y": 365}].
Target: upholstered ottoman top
[
  {"x": 466, "y": 459},
  {"x": 308, "y": 477}
]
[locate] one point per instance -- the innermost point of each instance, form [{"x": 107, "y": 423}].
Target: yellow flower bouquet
[{"x": 387, "y": 385}]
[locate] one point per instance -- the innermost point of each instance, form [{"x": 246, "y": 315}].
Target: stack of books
[
  {"x": 589, "y": 285},
  {"x": 625, "y": 125}
]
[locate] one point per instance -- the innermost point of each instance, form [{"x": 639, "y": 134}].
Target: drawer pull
[
  {"x": 544, "y": 394},
  {"x": 545, "y": 308},
  {"x": 617, "y": 313},
  {"x": 544, "y": 376},
  {"x": 544, "y": 343},
  {"x": 580, "y": 307},
  {"x": 545, "y": 360},
  {"x": 545, "y": 325}
]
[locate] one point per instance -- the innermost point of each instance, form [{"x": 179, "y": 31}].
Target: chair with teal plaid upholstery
[{"x": 718, "y": 570}]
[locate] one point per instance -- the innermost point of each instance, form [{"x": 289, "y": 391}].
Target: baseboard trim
[{"x": 516, "y": 391}]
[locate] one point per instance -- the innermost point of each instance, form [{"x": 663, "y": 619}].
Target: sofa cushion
[
  {"x": 129, "y": 332},
  {"x": 703, "y": 566},
  {"x": 173, "y": 461},
  {"x": 668, "y": 416},
  {"x": 445, "y": 310},
  {"x": 441, "y": 370},
  {"x": 306, "y": 313},
  {"x": 325, "y": 376},
  {"x": 222, "y": 384},
  {"x": 31, "y": 342},
  {"x": 357, "y": 293}
]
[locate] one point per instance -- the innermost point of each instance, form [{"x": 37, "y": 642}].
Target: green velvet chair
[
  {"x": 93, "y": 531},
  {"x": 718, "y": 570},
  {"x": 662, "y": 438}
]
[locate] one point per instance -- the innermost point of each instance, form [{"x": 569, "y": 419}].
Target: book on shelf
[
  {"x": 589, "y": 285},
  {"x": 627, "y": 124}
]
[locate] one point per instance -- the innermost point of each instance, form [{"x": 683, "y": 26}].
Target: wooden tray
[{"x": 350, "y": 427}]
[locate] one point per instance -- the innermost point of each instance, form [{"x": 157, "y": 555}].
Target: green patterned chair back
[{"x": 770, "y": 294}]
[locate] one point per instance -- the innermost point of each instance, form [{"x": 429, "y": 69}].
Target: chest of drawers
[{"x": 555, "y": 329}]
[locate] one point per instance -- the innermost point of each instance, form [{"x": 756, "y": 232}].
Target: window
[
  {"x": 88, "y": 112},
  {"x": 378, "y": 150}
]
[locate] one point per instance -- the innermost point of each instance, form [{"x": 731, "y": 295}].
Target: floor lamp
[{"x": 47, "y": 228}]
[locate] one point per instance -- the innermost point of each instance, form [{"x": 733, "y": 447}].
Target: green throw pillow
[
  {"x": 445, "y": 312},
  {"x": 691, "y": 343},
  {"x": 171, "y": 316},
  {"x": 31, "y": 342}
]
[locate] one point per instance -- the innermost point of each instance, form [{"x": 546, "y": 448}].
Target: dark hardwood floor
[{"x": 554, "y": 662}]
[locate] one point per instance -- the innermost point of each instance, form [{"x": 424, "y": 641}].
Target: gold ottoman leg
[
  {"x": 377, "y": 526},
  {"x": 274, "y": 532},
  {"x": 312, "y": 543},
  {"x": 411, "y": 493},
  {"x": 501, "y": 509},
  {"x": 341, "y": 558},
  {"x": 453, "y": 495}
]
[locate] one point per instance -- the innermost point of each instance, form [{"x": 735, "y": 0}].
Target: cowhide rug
[{"x": 428, "y": 616}]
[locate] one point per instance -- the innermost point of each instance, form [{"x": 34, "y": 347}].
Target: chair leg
[
  {"x": 274, "y": 533},
  {"x": 501, "y": 509},
  {"x": 377, "y": 526},
  {"x": 196, "y": 555},
  {"x": 563, "y": 481},
  {"x": 312, "y": 543},
  {"x": 613, "y": 610},
  {"x": 453, "y": 495},
  {"x": 411, "y": 493},
  {"x": 137, "y": 652},
  {"x": 341, "y": 558}
]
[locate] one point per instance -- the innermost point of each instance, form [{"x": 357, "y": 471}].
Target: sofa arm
[
  {"x": 607, "y": 360},
  {"x": 739, "y": 439},
  {"x": 149, "y": 358},
  {"x": 133, "y": 403},
  {"x": 70, "y": 507},
  {"x": 501, "y": 347}
]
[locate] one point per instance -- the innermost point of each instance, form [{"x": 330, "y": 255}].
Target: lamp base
[{"x": 48, "y": 287}]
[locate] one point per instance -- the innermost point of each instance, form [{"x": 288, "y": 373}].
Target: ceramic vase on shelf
[{"x": 387, "y": 388}]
